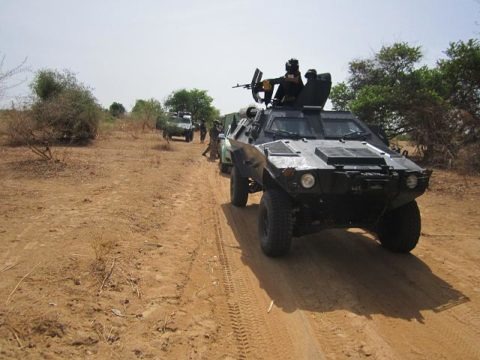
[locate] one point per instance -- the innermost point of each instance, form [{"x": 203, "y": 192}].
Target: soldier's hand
[{"x": 266, "y": 85}]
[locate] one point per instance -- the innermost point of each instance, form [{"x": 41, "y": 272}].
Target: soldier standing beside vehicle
[
  {"x": 203, "y": 131},
  {"x": 213, "y": 144}
]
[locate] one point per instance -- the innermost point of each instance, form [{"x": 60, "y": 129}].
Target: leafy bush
[
  {"x": 64, "y": 107},
  {"x": 148, "y": 112},
  {"x": 48, "y": 83},
  {"x": 439, "y": 108}
]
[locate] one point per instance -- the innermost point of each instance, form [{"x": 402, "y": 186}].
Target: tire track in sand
[{"x": 261, "y": 334}]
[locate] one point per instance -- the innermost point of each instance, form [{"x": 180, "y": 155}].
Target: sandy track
[{"x": 189, "y": 279}]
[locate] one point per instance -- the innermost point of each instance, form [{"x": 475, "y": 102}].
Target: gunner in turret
[{"x": 290, "y": 85}]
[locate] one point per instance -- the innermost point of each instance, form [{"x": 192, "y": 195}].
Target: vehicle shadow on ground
[{"x": 342, "y": 270}]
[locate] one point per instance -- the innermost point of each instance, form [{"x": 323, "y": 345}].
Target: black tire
[
  {"x": 238, "y": 188},
  {"x": 191, "y": 135},
  {"x": 224, "y": 168},
  {"x": 275, "y": 223},
  {"x": 399, "y": 229},
  {"x": 187, "y": 137}
]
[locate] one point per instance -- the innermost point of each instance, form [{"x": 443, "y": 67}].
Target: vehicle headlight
[
  {"x": 307, "y": 180},
  {"x": 411, "y": 181}
]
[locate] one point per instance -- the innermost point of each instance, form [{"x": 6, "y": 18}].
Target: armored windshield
[
  {"x": 179, "y": 120},
  {"x": 298, "y": 127},
  {"x": 342, "y": 128}
]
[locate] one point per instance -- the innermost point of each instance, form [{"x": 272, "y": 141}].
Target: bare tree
[{"x": 8, "y": 77}]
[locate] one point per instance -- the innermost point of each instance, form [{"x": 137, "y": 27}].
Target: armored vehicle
[
  {"x": 179, "y": 124},
  {"x": 322, "y": 169}
]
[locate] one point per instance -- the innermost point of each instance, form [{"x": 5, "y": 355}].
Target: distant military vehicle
[
  {"x": 178, "y": 124},
  {"x": 322, "y": 169}
]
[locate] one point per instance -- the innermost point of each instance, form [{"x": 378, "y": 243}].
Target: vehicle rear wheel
[
  {"x": 187, "y": 137},
  {"x": 399, "y": 229},
  {"x": 238, "y": 188},
  {"x": 275, "y": 223}
]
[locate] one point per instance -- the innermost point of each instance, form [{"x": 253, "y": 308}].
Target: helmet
[
  {"x": 311, "y": 74},
  {"x": 291, "y": 66}
]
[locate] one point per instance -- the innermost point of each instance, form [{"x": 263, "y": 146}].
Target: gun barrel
[{"x": 245, "y": 86}]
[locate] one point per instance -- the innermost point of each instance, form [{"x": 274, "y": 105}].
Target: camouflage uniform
[
  {"x": 203, "y": 131},
  {"x": 214, "y": 132},
  {"x": 213, "y": 145}
]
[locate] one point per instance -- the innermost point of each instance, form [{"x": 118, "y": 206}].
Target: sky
[{"x": 128, "y": 50}]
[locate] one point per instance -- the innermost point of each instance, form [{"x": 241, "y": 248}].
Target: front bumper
[
  {"x": 387, "y": 186},
  {"x": 178, "y": 132}
]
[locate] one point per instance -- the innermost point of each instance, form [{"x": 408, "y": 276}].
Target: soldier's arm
[{"x": 267, "y": 84}]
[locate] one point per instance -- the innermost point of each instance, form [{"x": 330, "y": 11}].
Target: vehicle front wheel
[
  {"x": 224, "y": 168},
  {"x": 275, "y": 223},
  {"x": 238, "y": 188},
  {"x": 399, "y": 229}
]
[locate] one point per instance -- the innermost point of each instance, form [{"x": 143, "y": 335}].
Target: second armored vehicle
[
  {"x": 322, "y": 169},
  {"x": 179, "y": 124}
]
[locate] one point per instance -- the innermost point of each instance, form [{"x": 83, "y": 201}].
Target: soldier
[
  {"x": 213, "y": 144},
  {"x": 289, "y": 87},
  {"x": 203, "y": 131},
  {"x": 291, "y": 84}
]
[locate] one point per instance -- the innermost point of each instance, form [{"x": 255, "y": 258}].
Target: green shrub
[
  {"x": 66, "y": 108},
  {"x": 147, "y": 112}
]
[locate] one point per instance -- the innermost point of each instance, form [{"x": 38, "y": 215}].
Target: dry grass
[
  {"x": 164, "y": 146},
  {"x": 111, "y": 272},
  {"x": 132, "y": 127},
  {"x": 109, "y": 334},
  {"x": 20, "y": 129},
  {"x": 105, "y": 130},
  {"x": 155, "y": 161},
  {"x": 468, "y": 160},
  {"x": 102, "y": 249}
]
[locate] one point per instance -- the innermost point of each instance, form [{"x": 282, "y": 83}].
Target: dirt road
[{"x": 130, "y": 249}]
